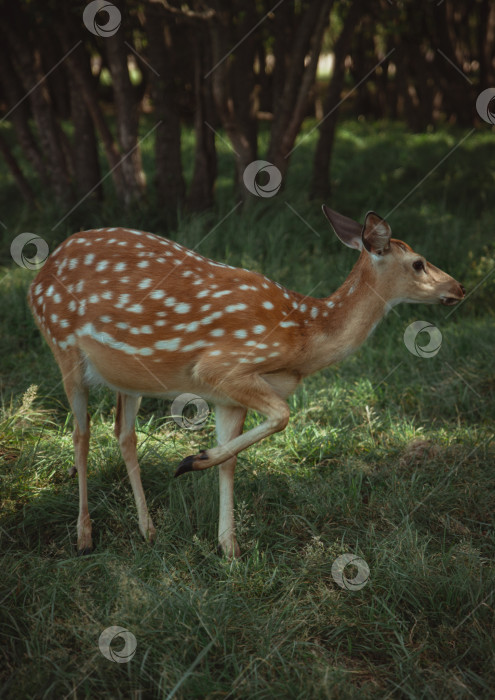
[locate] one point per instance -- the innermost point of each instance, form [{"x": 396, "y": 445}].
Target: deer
[{"x": 146, "y": 316}]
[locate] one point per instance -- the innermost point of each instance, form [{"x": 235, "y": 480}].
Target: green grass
[{"x": 387, "y": 456}]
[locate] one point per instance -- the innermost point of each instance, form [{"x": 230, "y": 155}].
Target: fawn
[{"x": 146, "y": 316}]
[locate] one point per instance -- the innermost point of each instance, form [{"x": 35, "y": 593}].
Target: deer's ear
[
  {"x": 376, "y": 234},
  {"x": 349, "y": 231}
]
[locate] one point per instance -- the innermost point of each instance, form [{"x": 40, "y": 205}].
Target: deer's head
[{"x": 391, "y": 267}]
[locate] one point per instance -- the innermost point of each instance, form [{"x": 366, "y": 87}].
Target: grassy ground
[{"x": 388, "y": 456}]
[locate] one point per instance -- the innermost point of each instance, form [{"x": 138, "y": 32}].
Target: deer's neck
[{"x": 353, "y": 312}]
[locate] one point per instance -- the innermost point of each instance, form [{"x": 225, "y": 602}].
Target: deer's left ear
[{"x": 376, "y": 234}]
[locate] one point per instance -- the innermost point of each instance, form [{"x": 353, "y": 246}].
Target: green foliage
[{"x": 388, "y": 456}]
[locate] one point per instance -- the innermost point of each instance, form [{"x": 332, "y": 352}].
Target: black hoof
[
  {"x": 185, "y": 466},
  {"x": 187, "y": 463},
  {"x": 84, "y": 552}
]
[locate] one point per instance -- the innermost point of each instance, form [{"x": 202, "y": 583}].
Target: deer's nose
[{"x": 463, "y": 289}]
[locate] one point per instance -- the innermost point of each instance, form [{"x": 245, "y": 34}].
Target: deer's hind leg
[
  {"x": 127, "y": 408},
  {"x": 72, "y": 368}
]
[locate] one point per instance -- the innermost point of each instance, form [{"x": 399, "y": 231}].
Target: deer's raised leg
[
  {"x": 127, "y": 408},
  {"x": 250, "y": 391}
]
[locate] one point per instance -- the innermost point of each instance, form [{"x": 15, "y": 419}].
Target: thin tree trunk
[
  {"x": 79, "y": 64},
  {"x": 57, "y": 83},
  {"x": 169, "y": 178},
  {"x": 320, "y": 185},
  {"x": 227, "y": 77},
  {"x": 86, "y": 165},
  {"x": 19, "y": 113},
  {"x": 127, "y": 117},
  {"x": 457, "y": 95},
  {"x": 200, "y": 194},
  {"x": 283, "y": 44}
]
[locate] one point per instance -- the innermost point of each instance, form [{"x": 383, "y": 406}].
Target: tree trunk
[
  {"x": 292, "y": 106},
  {"x": 320, "y": 185},
  {"x": 86, "y": 166},
  {"x": 200, "y": 194},
  {"x": 457, "y": 95},
  {"x": 232, "y": 82},
  {"x": 57, "y": 84},
  {"x": 363, "y": 60},
  {"x": 486, "y": 43},
  {"x": 169, "y": 177},
  {"x": 79, "y": 64},
  {"x": 283, "y": 44},
  {"x": 49, "y": 131},
  {"x": 18, "y": 113},
  {"x": 127, "y": 118}
]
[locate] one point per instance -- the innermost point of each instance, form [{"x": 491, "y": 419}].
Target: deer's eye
[{"x": 418, "y": 265}]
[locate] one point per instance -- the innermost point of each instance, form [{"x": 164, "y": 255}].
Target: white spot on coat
[
  {"x": 157, "y": 294},
  {"x": 182, "y": 308},
  {"x": 171, "y": 344},
  {"x": 135, "y": 309}
]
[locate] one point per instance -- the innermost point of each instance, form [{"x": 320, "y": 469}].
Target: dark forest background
[{"x": 229, "y": 67}]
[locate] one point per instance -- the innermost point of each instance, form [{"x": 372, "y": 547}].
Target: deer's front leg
[{"x": 229, "y": 424}]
